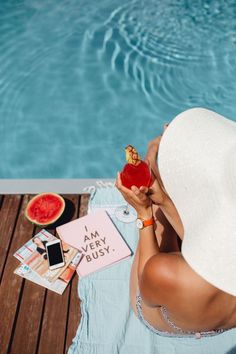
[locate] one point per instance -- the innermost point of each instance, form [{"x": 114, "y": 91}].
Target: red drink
[{"x": 136, "y": 172}]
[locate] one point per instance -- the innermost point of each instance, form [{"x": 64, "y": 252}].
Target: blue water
[{"x": 79, "y": 79}]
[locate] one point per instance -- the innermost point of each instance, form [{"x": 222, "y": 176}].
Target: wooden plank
[
  {"x": 54, "y": 322},
  {"x": 8, "y": 217},
  {"x": 30, "y": 313},
  {"x": 83, "y": 209},
  {"x": 12, "y": 286},
  {"x": 1, "y": 200},
  {"x": 74, "y": 314}
]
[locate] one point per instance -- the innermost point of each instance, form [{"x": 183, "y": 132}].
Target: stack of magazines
[{"x": 34, "y": 264}]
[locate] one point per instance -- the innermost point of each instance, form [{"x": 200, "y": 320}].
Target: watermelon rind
[{"x": 52, "y": 221}]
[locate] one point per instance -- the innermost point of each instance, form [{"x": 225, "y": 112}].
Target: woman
[{"x": 191, "y": 292}]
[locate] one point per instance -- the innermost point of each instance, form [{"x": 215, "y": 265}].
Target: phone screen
[{"x": 54, "y": 254}]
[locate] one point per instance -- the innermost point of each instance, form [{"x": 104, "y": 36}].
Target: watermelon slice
[{"x": 45, "y": 208}]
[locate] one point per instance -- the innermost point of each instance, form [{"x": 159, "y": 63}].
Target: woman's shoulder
[
  {"x": 169, "y": 281},
  {"x": 168, "y": 278}
]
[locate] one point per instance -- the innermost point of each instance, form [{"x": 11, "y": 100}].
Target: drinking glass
[{"x": 133, "y": 176}]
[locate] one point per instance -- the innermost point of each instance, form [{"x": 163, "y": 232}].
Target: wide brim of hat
[{"x": 197, "y": 165}]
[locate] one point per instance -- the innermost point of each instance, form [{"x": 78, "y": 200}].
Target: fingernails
[{"x": 135, "y": 190}]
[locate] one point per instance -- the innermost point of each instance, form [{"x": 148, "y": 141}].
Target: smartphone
[{"x": 55, "y": 254}]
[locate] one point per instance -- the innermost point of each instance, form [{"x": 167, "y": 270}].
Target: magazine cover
[
  {"x": 59, "y": 285},
  {"x": 99, "y": 240},
  {"x": 33, "y": 254}
]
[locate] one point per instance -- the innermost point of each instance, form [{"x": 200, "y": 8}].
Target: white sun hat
[{"x": 197, "y": 165}]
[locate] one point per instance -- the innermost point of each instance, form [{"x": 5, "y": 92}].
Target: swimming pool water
[{"x": 79, "y": 80}]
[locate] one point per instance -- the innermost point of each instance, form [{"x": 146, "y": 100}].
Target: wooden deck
[{"x": 32, "y": 318}]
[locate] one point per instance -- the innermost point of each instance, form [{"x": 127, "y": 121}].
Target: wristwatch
[{"x": 141, "y": 224}]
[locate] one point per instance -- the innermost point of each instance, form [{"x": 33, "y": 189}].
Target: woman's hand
[
  {"x": 137, "y": 197},
  {"x": 142, "y": 198}
]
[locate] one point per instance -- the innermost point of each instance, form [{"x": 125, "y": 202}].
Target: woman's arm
[
  {"x": 167, "y": 238},
  {"x": 148, "y": 245},
  {"x": 153, "y": 239}
]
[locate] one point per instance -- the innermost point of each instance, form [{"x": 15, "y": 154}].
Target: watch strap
[{"x": 148, "y": 222}]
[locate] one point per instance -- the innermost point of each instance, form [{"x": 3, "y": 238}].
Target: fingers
[
  {"x": 124, "y": 191},
  {"x": 140, "y": 193},
  {"x": 119, "y": 184},
  {"x": 137, "y": 194},
  {"x": 127, "y": 193},
  {"x": 144, "y": 189},
  {"x": 118, "y": 180}
]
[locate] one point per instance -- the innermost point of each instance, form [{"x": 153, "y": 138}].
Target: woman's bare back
[{"x": 195, "y": 306}]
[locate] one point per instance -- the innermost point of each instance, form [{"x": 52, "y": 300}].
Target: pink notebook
[{"x": 96, "y": 236}]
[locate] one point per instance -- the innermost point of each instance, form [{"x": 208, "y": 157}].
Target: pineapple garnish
[{"x": 132, "y": 155}]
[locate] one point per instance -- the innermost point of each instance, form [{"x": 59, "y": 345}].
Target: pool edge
[{"x": 63, "y": 186}]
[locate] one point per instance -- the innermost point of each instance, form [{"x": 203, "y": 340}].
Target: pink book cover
[{"x": 96, "y": 236}]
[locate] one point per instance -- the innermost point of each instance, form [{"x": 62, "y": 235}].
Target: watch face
[{"x": 139, "y": 223}]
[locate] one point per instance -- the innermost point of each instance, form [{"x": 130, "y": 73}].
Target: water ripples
[
  {"x": 85, "y": 73},
  {"x": 162, "y": 45}
]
